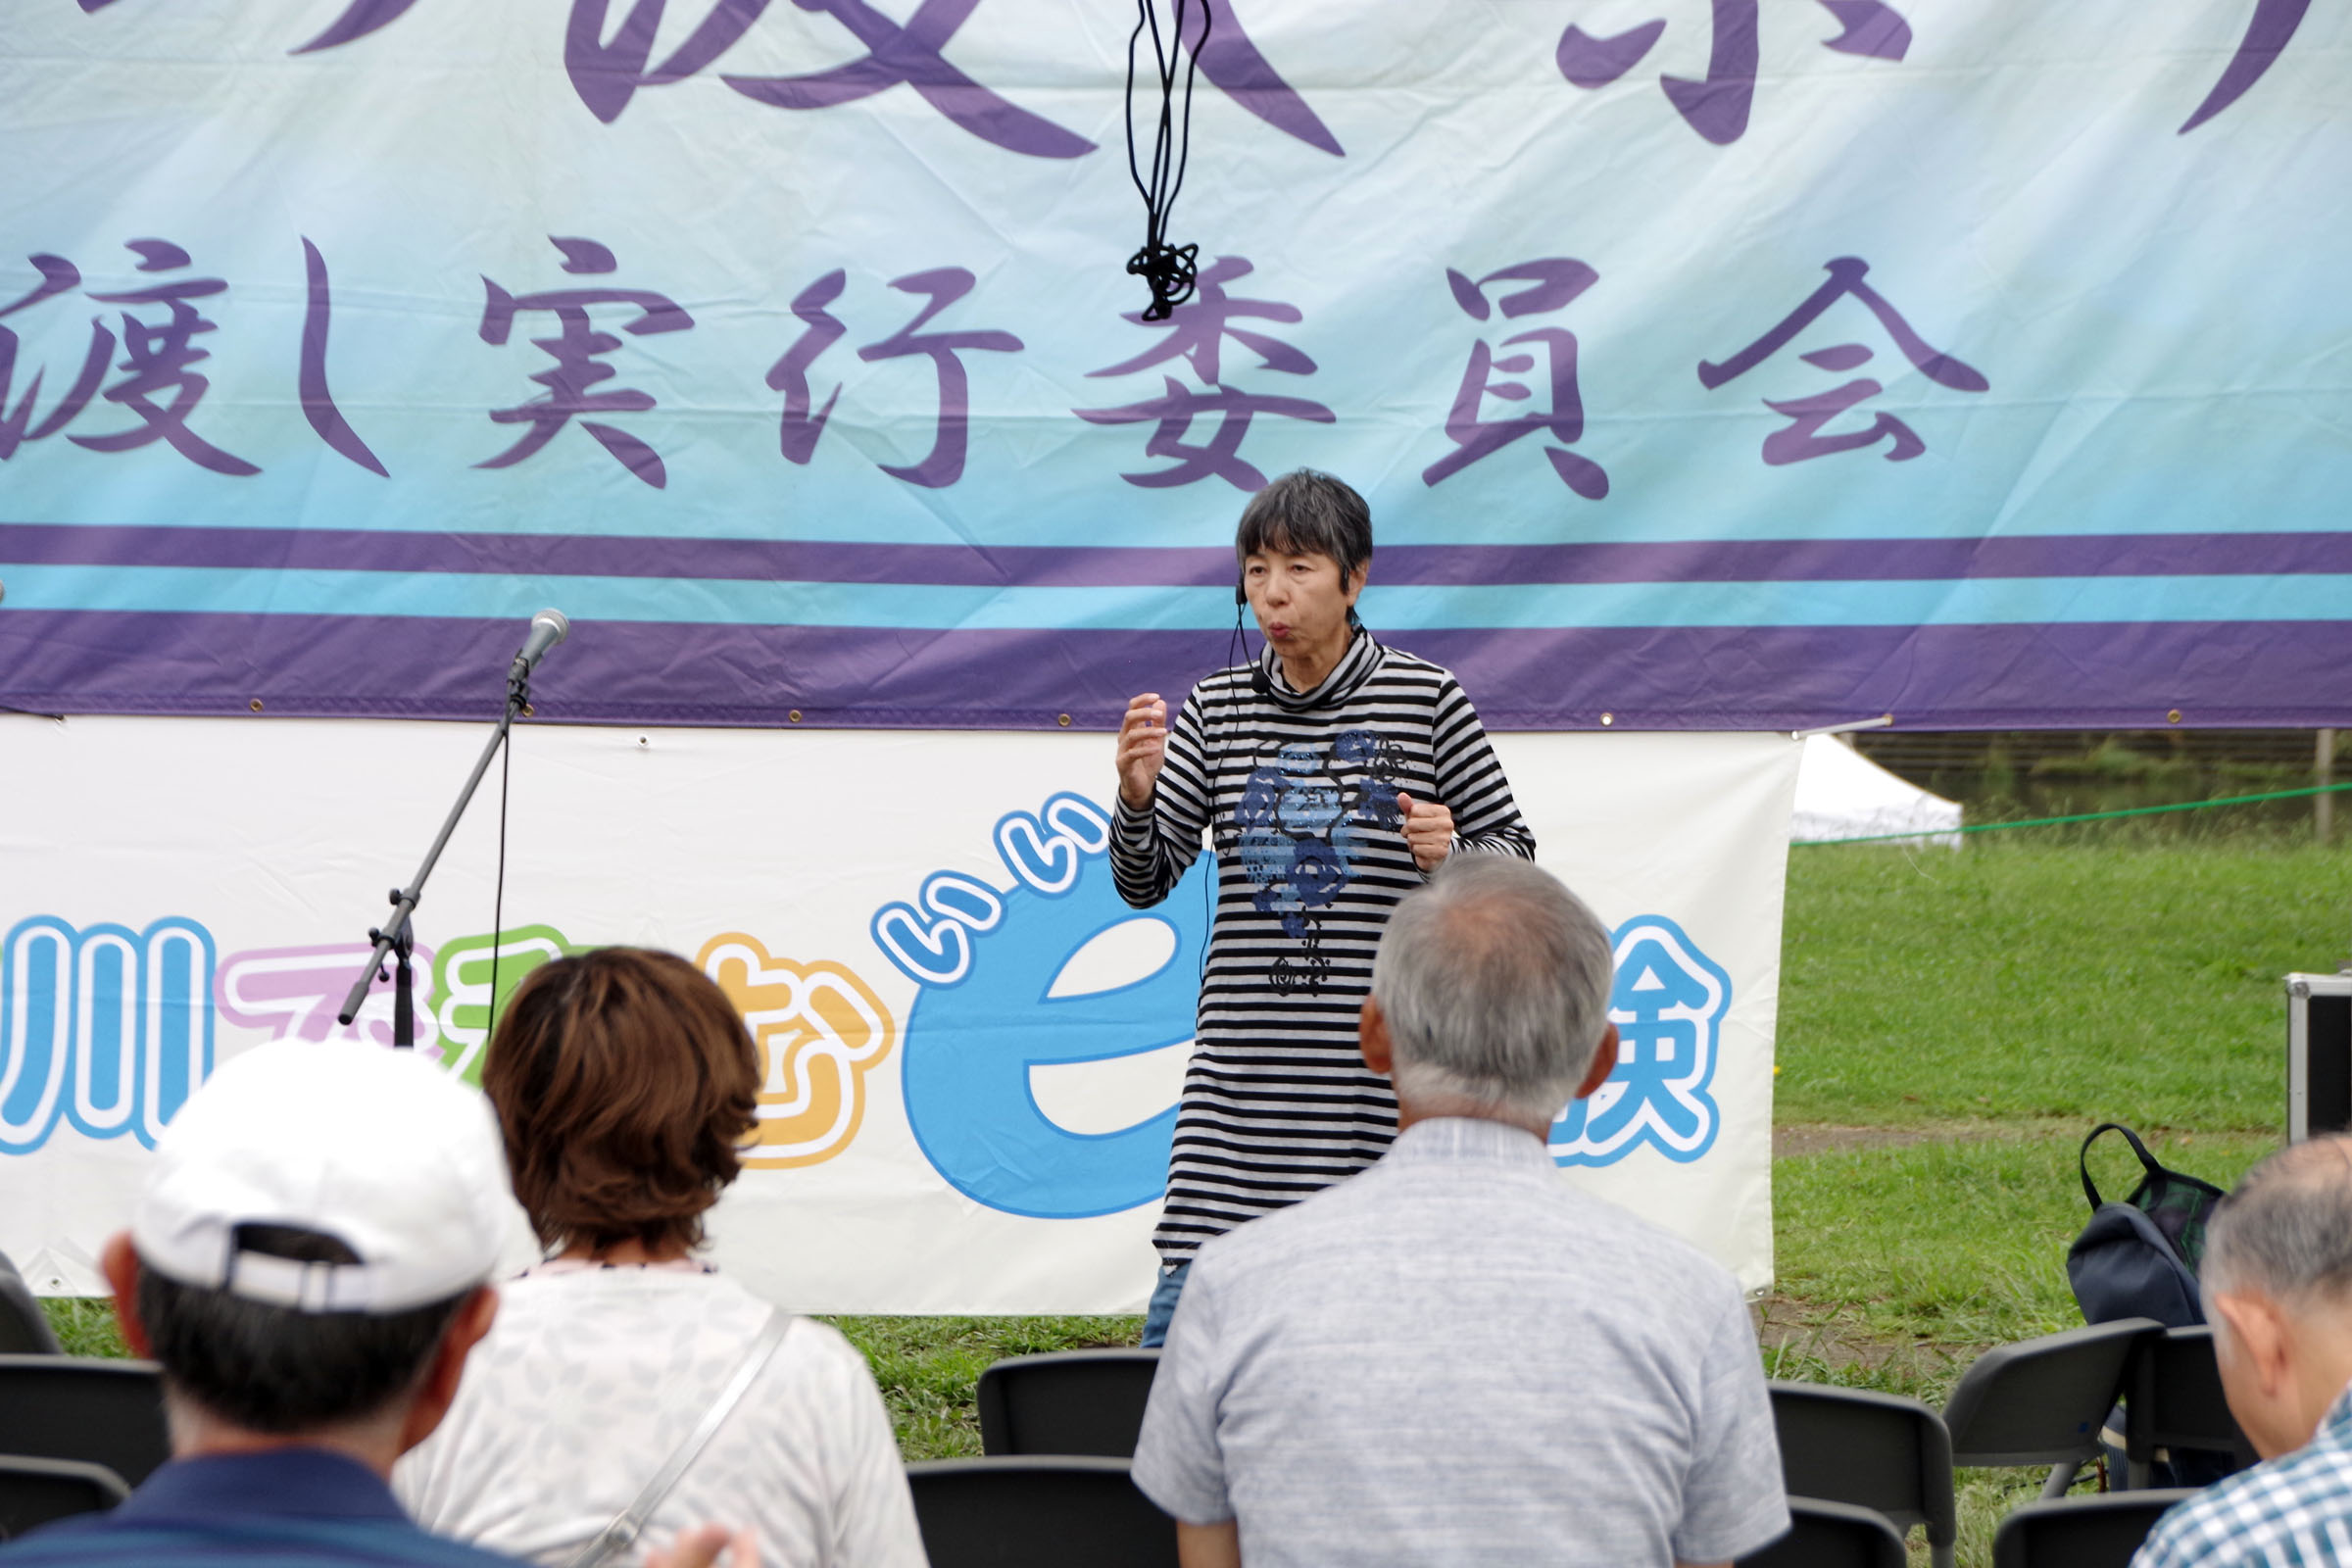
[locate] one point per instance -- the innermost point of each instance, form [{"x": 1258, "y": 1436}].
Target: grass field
[{"x": 1952, "y": 1025}]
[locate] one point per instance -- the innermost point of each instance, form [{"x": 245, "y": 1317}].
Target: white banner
[{"x": 973, "y": 1049}]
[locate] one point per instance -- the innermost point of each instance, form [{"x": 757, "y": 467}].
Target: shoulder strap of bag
[
  {"x": 631, "y": 1522},
  {"x": 2147, "y": 1160}
]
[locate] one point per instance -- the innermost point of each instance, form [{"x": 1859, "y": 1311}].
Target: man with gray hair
[
  {"x": 2277, "y": 1286},
  {"x": 1455, "y": 1356}
]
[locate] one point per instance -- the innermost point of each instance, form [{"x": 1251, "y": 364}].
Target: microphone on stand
[
  {"x": 548, "y": 628},
  {"x": 396, "y": 938}
]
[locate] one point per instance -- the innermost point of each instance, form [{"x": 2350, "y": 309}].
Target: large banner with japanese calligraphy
[
  {"x": 971, "y": 1048},
  {"x": 1708, "y": 363}
]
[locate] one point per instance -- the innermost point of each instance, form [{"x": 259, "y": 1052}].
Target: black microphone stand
[{"x": 396, "y": 938}]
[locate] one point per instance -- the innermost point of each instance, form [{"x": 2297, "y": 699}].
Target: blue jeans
[{"x": 1162, "y": 1309}]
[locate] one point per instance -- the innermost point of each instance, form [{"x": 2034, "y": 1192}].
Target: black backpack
[{"x": 2139, "y": 1258}]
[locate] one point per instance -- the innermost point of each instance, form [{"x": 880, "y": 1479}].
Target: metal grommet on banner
[
  {"x": 2172, "y": 717},
  {"x": 794, "y": 715},
  {"x": 528, "y": 710},
  {"x": 255, "y": 705},
  {"x": 1608, "y": 719},
  {"x": 1064, "y": 722}
]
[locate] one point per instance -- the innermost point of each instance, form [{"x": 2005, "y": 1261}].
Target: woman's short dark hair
[
  {"x": 1307, "y": 513},
  {"x": 623, "y": 1080}
]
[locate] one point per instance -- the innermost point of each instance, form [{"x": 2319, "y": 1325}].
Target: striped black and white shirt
[{"x": 1297, "y": 791}]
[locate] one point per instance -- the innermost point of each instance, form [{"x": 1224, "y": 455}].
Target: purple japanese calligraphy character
[
  {"x": 1872, "y": 30},
  {"x": 1220, "y": 458},
  {"x": 1195, "y": 333},
  {"x": 1718, "y": 107},
  {"x": 318, "y": 403},
  {"x": 945, "y": 286},
  {"x": 160, "y": 357},
  {"x": 607, "y": 73},
  {"x": 788, "y": 375},
  {"x": 58, "y": 276},
  {"x": 1235, "y": 65},
  {"x": 1551, "y": 283},
  {"x": 575, "y": 348},
  {"x": 360, "y": 19},
  {"x": 1197, "y": 328},
  {"x": 2268, "y": 30},
  {"x": 910, "y": 54},
  {"x": 1800, "y": 439}
]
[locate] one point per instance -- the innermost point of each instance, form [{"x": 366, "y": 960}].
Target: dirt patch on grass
[
  {"x": 1796, "y": 1139},
  {"x": 1795, "y": 1333},
  {"x": 1821, "y": 1138}
]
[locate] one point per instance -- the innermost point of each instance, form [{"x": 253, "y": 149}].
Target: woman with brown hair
[{"x": 624, "y": 1083}]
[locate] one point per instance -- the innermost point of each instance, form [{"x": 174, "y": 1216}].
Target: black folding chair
[
  {"x": 84, "y": 1407},
  {"x": 2042, "y": 1402},
  {"x": 1019, "y": 1512},
  {"x": 33, "y": 1491},
  {"x": 1831, "y": 1535},
  {"x": 1067, "y": 1402},
  {"x": 1880, "y": 1451},
  {"x": 2088, "y": 1531},
  {"x": 24, "y": 1327},
  {"x": 2174, "y": 1399}
]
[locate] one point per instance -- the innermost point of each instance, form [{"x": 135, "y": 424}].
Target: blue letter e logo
[{"x": 1030, "y": 999}]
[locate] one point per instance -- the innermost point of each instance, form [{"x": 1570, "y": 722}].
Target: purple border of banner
[
  {"x": 627, "y": 673},
  {"x": 959, "y": 564}
]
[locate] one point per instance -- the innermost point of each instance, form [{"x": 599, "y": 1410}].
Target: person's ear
[
  {"x": 1372, "y": 1037},
  {"x": 439, "y": 1390},
  {"x": 1352, "y": 584},
  {"x": 2259, "y": 1331},
  {"x": 120, "y": 1263},
  {"x": 2254, "y": 1348},
  {"x": 1604, "y": 1062}
]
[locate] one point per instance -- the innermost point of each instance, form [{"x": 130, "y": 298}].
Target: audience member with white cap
[{"x": 307, "y": 1262}]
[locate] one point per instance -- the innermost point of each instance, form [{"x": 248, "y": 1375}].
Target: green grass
[
  {"x": 1959, "y": 1244},
  {"x": 1984, "y": 1010},
  {"x": 2019, "y": 981},
  {"x": 927, "y": 1367},
  {"x": 1971, "y": 1015},
  {"x": 85, "y": 1326}
]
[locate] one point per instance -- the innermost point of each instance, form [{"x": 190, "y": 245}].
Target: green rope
[{"x": 2087, "y": 816}]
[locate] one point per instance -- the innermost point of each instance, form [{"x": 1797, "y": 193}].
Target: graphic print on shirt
[
  {"x": 1029, "y": 991},
  {"x": 1303, "y": 816},
  {"x": 1668, "y": 1005}
]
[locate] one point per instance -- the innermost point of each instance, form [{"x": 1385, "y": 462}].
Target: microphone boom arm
[{"x": 394, "y": 937}]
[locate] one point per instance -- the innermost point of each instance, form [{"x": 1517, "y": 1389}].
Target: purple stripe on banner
[
  {"x": 1942, "y": 677},
  {"x": 805, "y": 560}
]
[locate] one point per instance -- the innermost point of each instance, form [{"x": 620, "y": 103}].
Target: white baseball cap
[{"x": 382, "y": 1150}]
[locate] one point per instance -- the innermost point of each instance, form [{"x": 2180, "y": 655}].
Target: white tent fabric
[{"x": 1841, "y": 794}]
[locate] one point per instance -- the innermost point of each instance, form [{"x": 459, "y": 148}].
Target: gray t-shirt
[{"x": 1456, "y": 1357}]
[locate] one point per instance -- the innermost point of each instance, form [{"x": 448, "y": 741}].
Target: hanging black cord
[{"x": 1169, "y": 271}]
